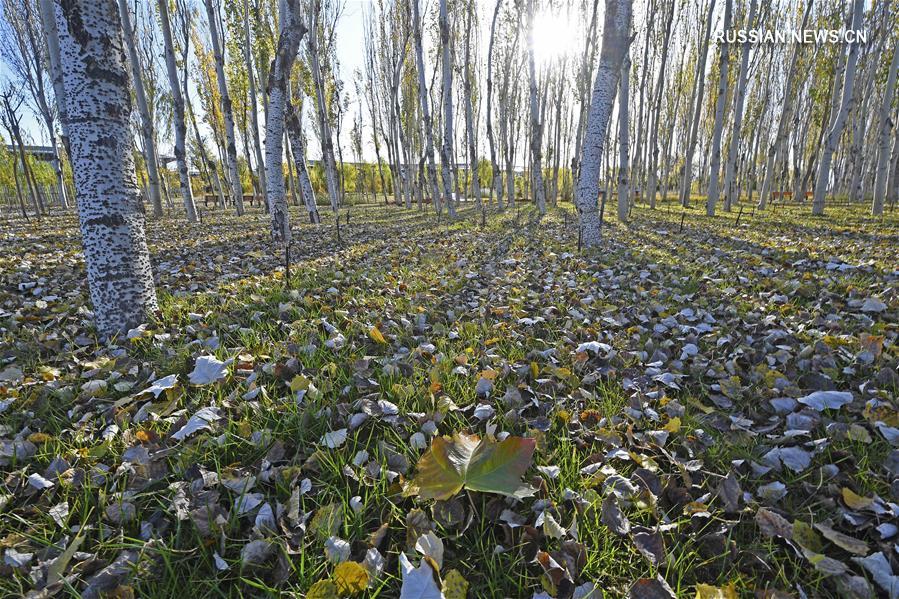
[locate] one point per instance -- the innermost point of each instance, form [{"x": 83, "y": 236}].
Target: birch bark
[
  {"x": 227, "y": 112},
  {"x": 883, "y": 139},
  {"x": 536, "y": 124},
  {"x": 715, "y": 166},
  {"x": 178, "y": 109},
  {"x": 119, "y": 274},
  {"x": 836, "y": 128},
  {"x": 615, "y": 41},
  {"x": 146, "y": 121},
  {"x": 292, "y": 31}
]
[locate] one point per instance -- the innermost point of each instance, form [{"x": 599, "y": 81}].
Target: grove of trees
[{"x": 648, "y": 100}]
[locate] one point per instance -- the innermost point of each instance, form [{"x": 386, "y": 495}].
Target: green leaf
[{"x": 475, "y": 464}]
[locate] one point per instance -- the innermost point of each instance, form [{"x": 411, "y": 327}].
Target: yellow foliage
[
  {"x": 351, "y": 578},
  {"x": 454, "y": 585},
  {"x": 323, "y": 589}
]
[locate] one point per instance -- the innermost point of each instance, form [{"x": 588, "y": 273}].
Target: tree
[
  {"x": 696, "y": 109},
  {"x": 785, "y": 117},
  {"x": 446, "y": 149},
  {"x": 623, "y": 139},
  {"x": 730, "y": 165},
  {"x": 254, "y": 102},
  {"x": 321, "y": 106},
  {"x": 291, "y": 34},
  {"x": 536, "y": 125},
  {"x": 715, "y": 167},
  {"x": 468, "y": 69},
  {"x": 146, "y": 120},
  {"x": 836, "y": 127},
  {"x": 27, "y": 57},
  {"x": 497, "y": 173},
  {"x": 227, "y": 112},
  {"x": 187, "y": 194},
  {"x": 883, "y": 144},
  {"x": 425, "y": 105},
  {"x": 615, "y": 42},
  {"x": 119, "y": 274}
]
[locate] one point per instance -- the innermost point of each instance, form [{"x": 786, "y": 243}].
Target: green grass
[{"x": 396, "y": 265}]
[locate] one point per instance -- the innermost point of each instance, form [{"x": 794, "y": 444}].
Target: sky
[{"x": 555, "y": 34}]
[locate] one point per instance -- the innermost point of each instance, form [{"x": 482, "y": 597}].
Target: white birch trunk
[
  {"x": 496, "y": 172},
  {"x": 836, "y": 129},
  {"x": 322, "y": 111},
  {"x": 178, "y": 109},
  {"x": 696, "y": 107},
  {"x": 228, "y": 114},
  {"x": 883, "y": 139},
  {"x": 715, "y": 167},
  {"x": 51, "y": 35},
  {"x": 295, "y": 135},
  {"x": 469, "y": 108},
  {"x": 624, "y": 139},
  {"x": 653, "y": 146},
  {"x": 425, "y": 105},
  {"x": 254, "y": 101},
  {"x": 446, "y": 151},
  {"x": 536, "y": 126},
  {"x": 730, "y": 166},
  {"x": 292, "y": 31},
  {"x": 615, "y": 41},
  {"x": 146, "y": 121},
  {"x": 119, "y": 274}
]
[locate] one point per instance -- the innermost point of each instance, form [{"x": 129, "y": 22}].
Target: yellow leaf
[
  {"x": 856, "y": 502},
  {"x": 299, "y": 383},
  {"x": 377, "y": 336},
  {"x": 351, "y": 578},
  {"x": 707, "y": 591},
  {"x": 489, "y": 374},
  {"x": 454, "y": 585},
  {"x": 323, "y": 589},
  {"x": 673, "y": 425}
]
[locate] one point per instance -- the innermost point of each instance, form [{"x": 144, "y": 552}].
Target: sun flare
[{"x": 555, "y": 35}]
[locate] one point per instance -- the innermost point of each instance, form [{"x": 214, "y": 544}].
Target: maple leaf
[{"x": 467, "y": 461}]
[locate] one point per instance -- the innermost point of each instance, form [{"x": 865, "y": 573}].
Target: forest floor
[{"x": 714, "y": 408}]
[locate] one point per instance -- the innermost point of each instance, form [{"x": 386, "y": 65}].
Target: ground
[{"x": 713, "y": 405}]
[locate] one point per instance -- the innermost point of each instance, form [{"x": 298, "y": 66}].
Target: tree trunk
[
  {"x": 146, "y": 121},
  {"x": 615, "y": 41},
  {"x": 51, "y": 35},
  {"x": 883, "y": 139},
  {"x": 254, "y": 101},
  {"x": 624, "y": 139},
  {"x": 469, "y": 108},
  {"x": 178, "y": 109},
  {"x": 496, "y": 172},
  {"x": 836, "y": 128},
  {"x": 696, "y": 107},
  {"x": 322, "y": 111},
  {"x": 119, "y": 274},
  {"x": 715, "y": 166},
  {"x": 730, "y": 166},
  {"x": 536, "y": 125},
  {"x": 425, "y": 105},
  {"x": 446, "y": 151},
  {"x": 292, "y": 31},
  {"x": 295, "y": 134},
  {"x": 652, "y": 183},
  {"x": 227, "y": 113}
]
